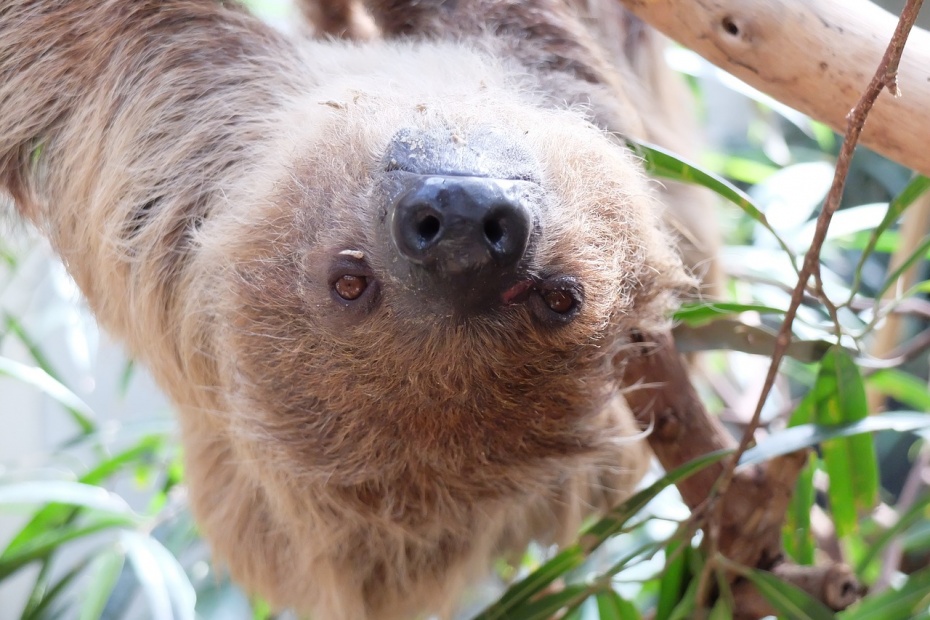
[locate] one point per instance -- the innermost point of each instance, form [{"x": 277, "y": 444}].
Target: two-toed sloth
[{"x": 386, "y": 284}]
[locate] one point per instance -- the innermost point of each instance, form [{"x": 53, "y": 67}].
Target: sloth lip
[{"x": 518, "y": 292}]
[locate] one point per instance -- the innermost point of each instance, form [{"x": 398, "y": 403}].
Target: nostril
[
  {"x": 493, "y": 230},
  {"x": 428, "y": 228},
  {"x": 450, "y": 224}
]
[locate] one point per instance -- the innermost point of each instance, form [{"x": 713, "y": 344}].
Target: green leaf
[
  {"x": 614, "y": 520},
  {"x": 674, "y": 579},
  {"x": 896, "y": 208},
  {"x": 687, "y": 606},
  {"x": 739, "y": 169},
  {"x": 721, "y": 610},
  {"x": 850, "y": 462},
  {"x": 261, "y": 610},
  {"x": 917, "y": 254},
  {"x": 168, "y": 590},
  {"x": 63, "y": 492},
  {"x": 906, "y": 602},
  {"x": 47, "y": 542},
  {"x": 573, "y": 556},
  {"x": 55, "y": 514},
  {"x": 663, "y": 163},
  {"x": 534, "y": 583},
  {"x": 42, "y": 597},
  {"x": 611, "y": 607},
  {"x": 789, "y": 600},
  {"x": 699, "y": 313},
  {"x": 901, "y": 386},
  {"x": 547, "y": 606},
  {"x": 106, "y": 570},
  {"x": 807, "y": 435},
  {"x": 797, "y": 535},
  {"x": 125, "y": 377},
  {"x": 917, "y": 512},
  {"x": 38, "y": 378}
]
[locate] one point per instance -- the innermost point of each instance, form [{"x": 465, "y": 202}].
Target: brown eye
[
  {"x": 559, "y": 301},
  {"x": 350, "y": 287}
]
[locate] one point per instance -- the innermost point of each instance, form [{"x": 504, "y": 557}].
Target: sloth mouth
[{"x": 518, "y": 292}]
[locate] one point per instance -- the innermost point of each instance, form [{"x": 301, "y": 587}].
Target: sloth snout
[{"x": 457, "y": 224}]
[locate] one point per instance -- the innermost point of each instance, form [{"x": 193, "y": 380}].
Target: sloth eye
[
  {"x": 352, "y": 284},
  {"x": 559, "y": 302},
  {"x": 350, "y": 287}
]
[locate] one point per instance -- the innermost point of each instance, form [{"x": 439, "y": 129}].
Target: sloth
[{"x": 387, "y": 284}]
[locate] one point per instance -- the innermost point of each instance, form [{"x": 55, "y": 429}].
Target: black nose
[{"x": 454, "y": 224}]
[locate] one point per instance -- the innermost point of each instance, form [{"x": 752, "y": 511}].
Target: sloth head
[{"x": 435, "y": 287}]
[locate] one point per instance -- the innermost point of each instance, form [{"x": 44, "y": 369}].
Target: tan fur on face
[{"x": 198, "y": 173}]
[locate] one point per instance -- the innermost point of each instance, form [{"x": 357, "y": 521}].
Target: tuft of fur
[{"x": 197, "y": 172}]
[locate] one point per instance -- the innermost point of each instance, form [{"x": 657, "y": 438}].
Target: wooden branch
[
  {"x": 754, "y": 505},
  {"x": 817, "y": 57}
]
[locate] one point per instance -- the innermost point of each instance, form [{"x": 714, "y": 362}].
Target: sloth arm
[{"x": 122, "y": 124}]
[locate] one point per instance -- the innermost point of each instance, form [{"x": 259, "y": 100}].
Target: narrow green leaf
[
  {"x": 63, "y": 492},
  {"x": 572, "y": 556},
  {"x": 902, "y": 387},
  {"x": 638, "y": 554},
  {"x": 546, "y": 607},
  {"x": 9, "y": 258},
  {"x": 534, "y": 583},
  {"x": 54, "y": 515},
  {"x": 15, "y": 327},
  {"x": 699, "y": 313},
  {"x": 673, "y": 582},
  {"x": 797, "y": 535},
  {"x": 916, "y": 255},
  {"x": 808, "y": 435},
  {"x": 46, "y": 597},
  {"x": 611, "y": 607},
  {"x": 106, "y": 570},
  {"x": 47, "y": 542},
  {"x": 663, "y": 163},
  {"x": 126, "y": 376},
  {"x": 614, "y": 520},
  {"x": 789, "y": 600},
  {"x": 804, "y": 413},
  {"x": 38, "y": 378},
  {"x": 738, "y": 168},
  {"x": 896, "y": 208},
  {"x": 39, "y": 587},
  {"x": 687, "y": 606},
  {"x": 917, "y": 512},
  {"x": 721, "y": 610},
  {"x": 168, "y": 590},
  {"x": 850, "y": 462}
]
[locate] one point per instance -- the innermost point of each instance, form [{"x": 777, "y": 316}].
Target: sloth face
[{"x": 438, "y": 294}]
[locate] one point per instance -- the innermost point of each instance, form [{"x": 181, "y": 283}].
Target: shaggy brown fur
[{"x": 201, "y": 176}]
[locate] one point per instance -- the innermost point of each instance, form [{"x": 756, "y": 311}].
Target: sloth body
[{"x": 364, "y": 429}]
